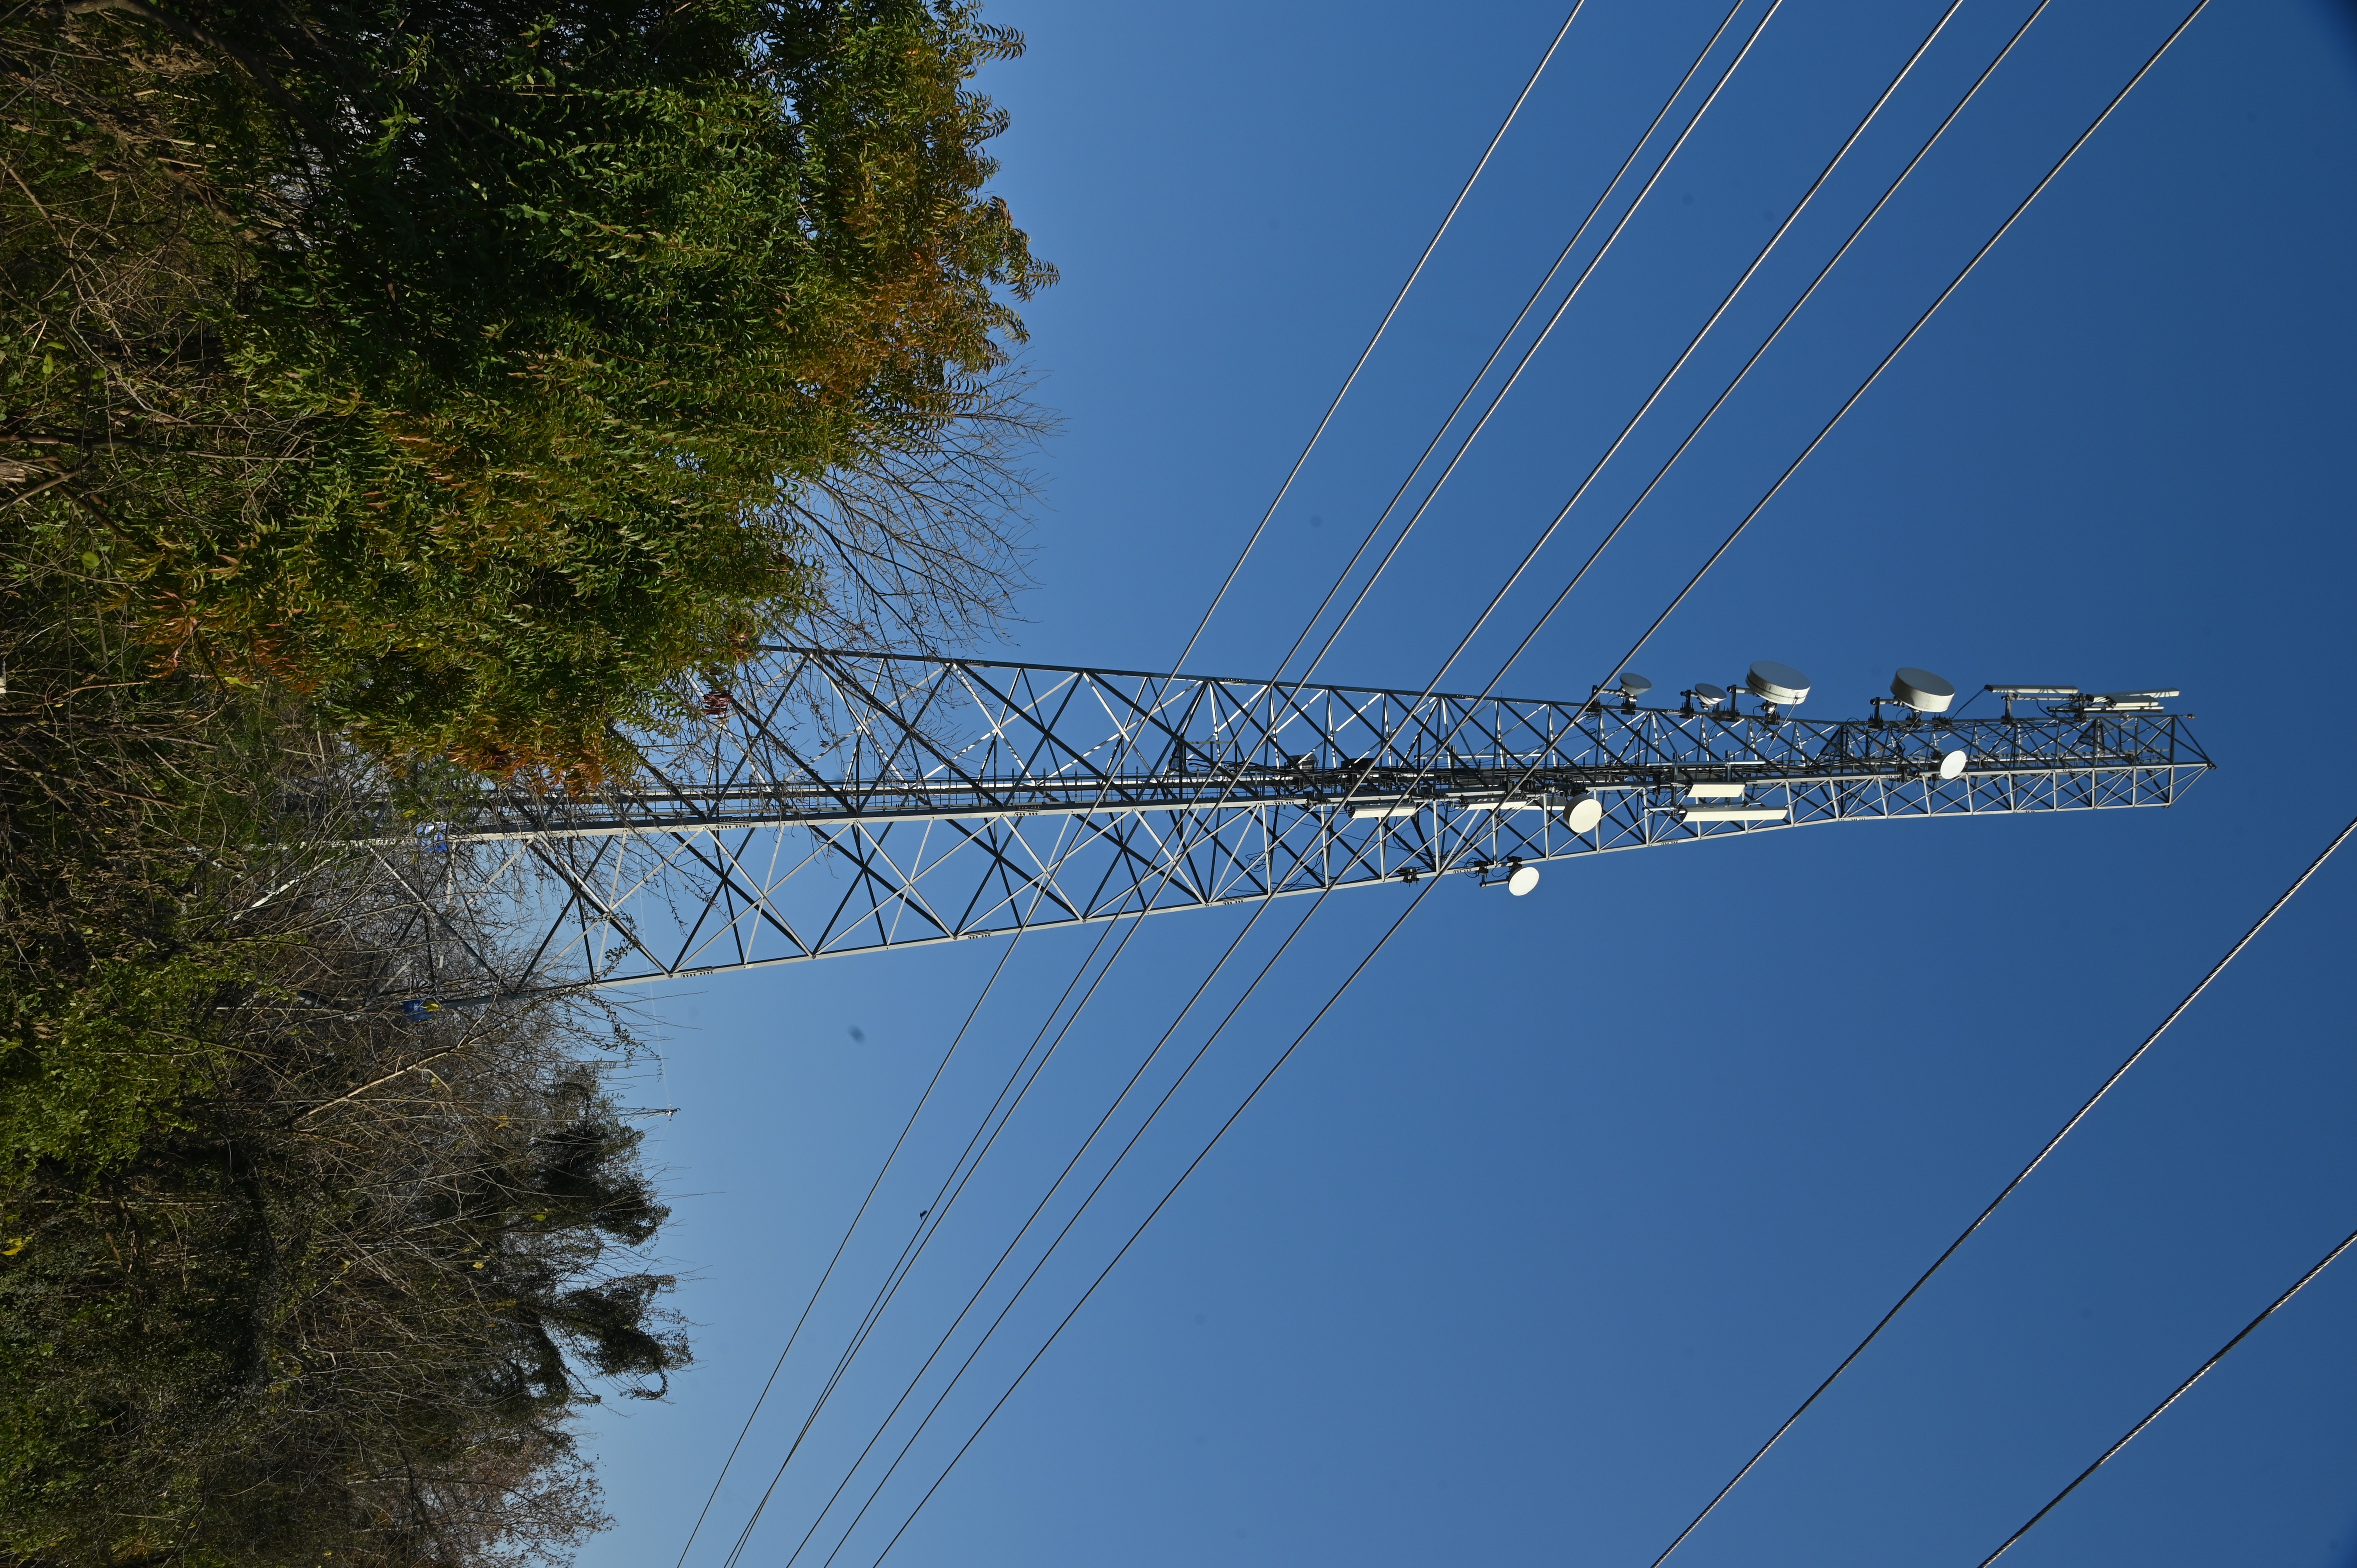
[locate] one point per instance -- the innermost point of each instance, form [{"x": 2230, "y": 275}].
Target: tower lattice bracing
[{"x": 831, "y": 804}]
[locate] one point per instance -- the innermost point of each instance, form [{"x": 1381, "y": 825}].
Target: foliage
[
  {"x": 390, "y": 393},
  {"x": 282, "y": 1270},
  {"x": 470, "y": 366},
  {"x": 123, "y": 801},
  {"x": 281, "y": 1333}
]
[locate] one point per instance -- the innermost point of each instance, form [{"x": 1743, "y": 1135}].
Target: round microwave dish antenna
[
  {"x": 1634, "y": 685},
  {"x": 1778, "y": 683},
  {"x": 1524, "y": 878},
  {"x": 1922, "y": 690},
  {"x": 1708, "y": 695},
  {"x": 1952, "y": 762},
  {"x": 1582, "y": 815}
]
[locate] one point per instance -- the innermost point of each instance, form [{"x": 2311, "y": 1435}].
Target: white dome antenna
[
  {"x": 1922, "y": 690},
  {"x": 1778, "y": 683}
]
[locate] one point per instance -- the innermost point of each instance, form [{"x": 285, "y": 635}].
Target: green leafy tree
[
  {"x": 285, "y": 1270},
  {"x": 480, "y": 368}
]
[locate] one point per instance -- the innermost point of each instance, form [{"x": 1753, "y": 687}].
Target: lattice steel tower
[{"x": 835, "y": 803}]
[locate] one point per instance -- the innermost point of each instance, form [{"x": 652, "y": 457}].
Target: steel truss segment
[{"x": 851, "y": 803}]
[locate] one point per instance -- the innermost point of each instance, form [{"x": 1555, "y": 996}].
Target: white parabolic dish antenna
[
  {"x": 1634, "y": 685},
  {"x": 1951, "y": 764},
  {"x": 1779, "y": 683},
  {"x": 1583, "y": 814},
  {"x": 1524, "y": 878},
  {"x": 1708, "y": 695},
  {"x": 1922, "y": 690}
]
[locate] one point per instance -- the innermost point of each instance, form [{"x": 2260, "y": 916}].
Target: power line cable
[
  {"x": 1879, "y": 103},
  {"x": 1748, "y": 274},
  {"x": 940, "y": 1211},
  {"x": 909, "y": 1445},
  {"x": 1416, "y": 901},
  {"x": 1162, "y": 1203},
  {"x": 1041, "y": 1262},
  {"x": 1875, "y": 1331},
  {"x": 1920, "y": 321},
  {"x": 1906, "y": 70},
  {"x": 1252, "y": 541},
  {"x": 819, "y": 1288},
  {"x": 1374, "y": 530},
  {"x": 908, "y": 1261},
  {"x": 1694, "y": 433},
  {"x": 1875, "y": 376},
  {"x": 1662, "y": 385},
  {"x": 2010, "y": 1187},
  {"x": 1170, "y": 871},
  {"x": 2178, "y": 1393},
  {"x": 1848, "y": 144},
  {"x": 1815, "y": 186},
  {"x": 921, "y": 1241},
  {"x": 1564, "y": 305},
  {"x": 1381, "y": 327}
]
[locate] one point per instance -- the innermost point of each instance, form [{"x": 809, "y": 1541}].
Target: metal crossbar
[{"x": 843, "y": 803}]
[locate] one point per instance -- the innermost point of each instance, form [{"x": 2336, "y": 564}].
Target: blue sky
[{"x": 1575, "y": 1195}]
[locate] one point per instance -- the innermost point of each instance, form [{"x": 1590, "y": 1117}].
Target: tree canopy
[
  {"x": 289, "y": 1266},
  {"x": 392, "y": 393},
  {"x": 460, "y": 364}
]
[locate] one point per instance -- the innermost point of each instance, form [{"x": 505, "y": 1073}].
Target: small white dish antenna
[
  {"x": 1922, "y": 690},
  {"x": 1582, "y": 815},
  {"x": 1779, "y": 683},
  {"x": 1524, "y": 878},
  {"x": 1952, "y": 762},
  {"x": 1634, "y": 685},
  {"x": 1707, "y": 695}
]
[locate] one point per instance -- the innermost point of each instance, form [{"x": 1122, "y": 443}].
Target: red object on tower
[{"x": 716, "y": 703}]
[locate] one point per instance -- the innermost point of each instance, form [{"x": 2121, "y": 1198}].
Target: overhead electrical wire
[
  {"x": 963, "y": 1170},
  {"x": 1220, "y": 963},
  {"x": 1217, "y": 804},
  {"x": 1938, "y": 132},
  {"x": 1774, "y": 489},
  {"x": 960, "y": 1173},
  {"x": 2011, "y": 1187},
  {"x": 2200, "y": 1372},
  {"x": 1374, "y": 530},
  {"x": 795, "y": 1334},
  {"x": 1038, "y": 1264},
  {"x": 1161, "y": 1203},
  {"x": 1252, "y": 541},
  {"x": 1814, "y": 188},
  {"x": 1381, "y": 327},
  {"x": 1774, "y": 335},
  {"x": 1682, "y": 449},
  {"x": 990, "y": 984},
  {"x": 1414, "y": 903},
  {"x": 1661, "y": 386},
  {"x": 843, "y": 1242},
  {"x": 939, "y": 1214},
  {"x": 952, "y": 1185}
]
